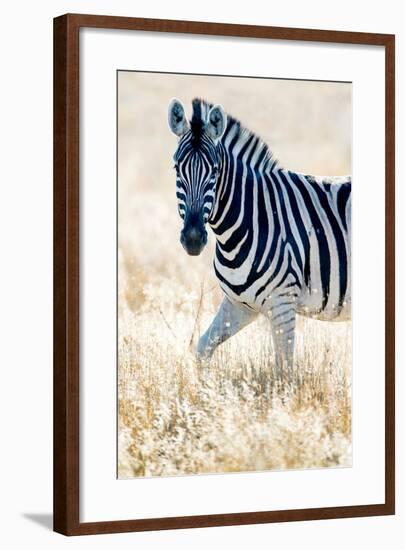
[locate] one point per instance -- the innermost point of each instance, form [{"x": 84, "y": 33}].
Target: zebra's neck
[{"x": 245, "y": 159}]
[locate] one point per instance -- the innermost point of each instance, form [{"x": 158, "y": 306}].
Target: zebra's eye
[{"x": 181, "y": 212}]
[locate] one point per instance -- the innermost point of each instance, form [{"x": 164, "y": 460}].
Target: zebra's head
[{"x": 197, "y": 164}]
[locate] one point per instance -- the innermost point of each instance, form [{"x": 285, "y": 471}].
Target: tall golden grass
[{"x": 177, "y": 417}]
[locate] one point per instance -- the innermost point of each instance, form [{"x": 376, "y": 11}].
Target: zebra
[{"x": 283, "y": 238}]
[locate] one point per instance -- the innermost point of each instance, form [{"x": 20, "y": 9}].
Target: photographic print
[
  {"x": 234, "y": 274},
  {"x": 204, "y": 274}
]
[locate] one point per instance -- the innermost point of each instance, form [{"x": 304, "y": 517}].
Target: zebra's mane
[{"x": 199, "y": 119}]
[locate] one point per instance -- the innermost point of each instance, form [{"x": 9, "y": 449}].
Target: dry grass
[{"x": 176, "y": 417}]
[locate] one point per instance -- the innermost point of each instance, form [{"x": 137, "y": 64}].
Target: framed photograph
[{"x": 223, "y": 274}]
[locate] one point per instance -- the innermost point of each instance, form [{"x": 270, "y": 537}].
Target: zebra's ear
[
  {"x": 177, "y": 119},
  {"x": 216, "y": 122}
]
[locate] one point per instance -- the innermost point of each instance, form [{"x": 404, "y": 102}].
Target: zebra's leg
[
  {"x": 282, "y": 318},
  {"x": 229, "y": 320}
]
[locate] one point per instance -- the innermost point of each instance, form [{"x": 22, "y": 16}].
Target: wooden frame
[{"x": 66, "y": 273}]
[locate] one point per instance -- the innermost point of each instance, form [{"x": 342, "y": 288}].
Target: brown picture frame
[{"x": 67, "y": 284}]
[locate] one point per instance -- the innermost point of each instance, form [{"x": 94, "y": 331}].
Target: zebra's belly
[
  {"x": 260, "y": 297},
  {"x": 310, "y": 305}
]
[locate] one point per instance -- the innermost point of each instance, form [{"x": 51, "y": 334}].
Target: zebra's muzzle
[{"x": 193, "y": 240}]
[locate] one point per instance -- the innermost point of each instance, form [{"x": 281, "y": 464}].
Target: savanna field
[{"x": 176, "y": 416}]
